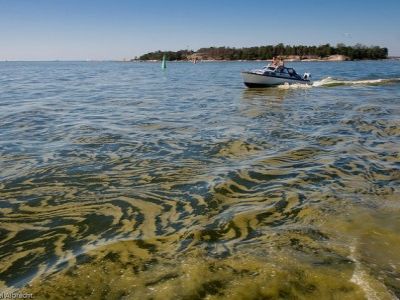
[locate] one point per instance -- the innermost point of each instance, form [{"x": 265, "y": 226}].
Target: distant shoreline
[
  {"x": 397, "y": 58},
  {"x": 326, "y": 52},
  {"x": 251, "y": 60}
]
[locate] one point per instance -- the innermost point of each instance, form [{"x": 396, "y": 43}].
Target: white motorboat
[{"x": 274, "y": 75}]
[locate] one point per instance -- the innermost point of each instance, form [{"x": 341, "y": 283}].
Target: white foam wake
[
  {"x": 329, "y": 81},
  {"x": 287, "y": 86}
]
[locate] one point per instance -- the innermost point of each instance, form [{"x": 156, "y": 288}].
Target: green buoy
[{"x": 164, "y": 62}]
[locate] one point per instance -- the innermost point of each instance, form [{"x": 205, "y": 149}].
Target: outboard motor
[{"x": 307, "y": 76}]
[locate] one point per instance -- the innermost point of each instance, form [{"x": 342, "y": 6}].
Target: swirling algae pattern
[
  {"x": 170, "y": 214},
  {"x": 257, "y": 233}
]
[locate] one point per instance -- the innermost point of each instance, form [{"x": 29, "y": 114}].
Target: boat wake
[
  {"x": 332, "y": 82},
  {"x": 288, "y": 86},
  {"x": 329, "y": 82}
]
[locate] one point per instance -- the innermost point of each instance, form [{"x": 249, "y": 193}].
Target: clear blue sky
[{"x": 116, "y": 29}]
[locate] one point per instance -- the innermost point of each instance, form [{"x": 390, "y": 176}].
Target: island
[{"x": 291, "y": 53}]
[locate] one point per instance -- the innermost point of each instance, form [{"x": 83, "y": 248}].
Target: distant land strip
[{"x": 293, "y": 53}]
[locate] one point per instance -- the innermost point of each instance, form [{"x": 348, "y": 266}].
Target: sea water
[{"x": 124, "y": 181}]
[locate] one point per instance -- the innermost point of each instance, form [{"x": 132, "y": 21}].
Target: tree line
[{"x": 357, "y": 51}]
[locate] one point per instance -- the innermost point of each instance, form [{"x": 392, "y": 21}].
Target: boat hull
[{"x": 258, "y": 80}]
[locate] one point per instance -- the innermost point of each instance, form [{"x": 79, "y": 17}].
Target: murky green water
[{"x": 121, "y": 181}]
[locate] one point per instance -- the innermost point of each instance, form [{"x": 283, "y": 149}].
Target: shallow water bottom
[
  {"x": 355, "y": 256},
  {"x": 118, "y": 181}
]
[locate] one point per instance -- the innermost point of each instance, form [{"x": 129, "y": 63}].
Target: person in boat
[
  {"x": 281, "y": 62},
  {"x": 274, "y": 62},
  {"x": 280, "y": 65}
]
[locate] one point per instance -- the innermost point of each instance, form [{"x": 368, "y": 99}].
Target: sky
[{"x": 118, "y": 29}]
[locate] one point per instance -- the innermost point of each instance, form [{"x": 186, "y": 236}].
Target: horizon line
[{"x": 133, "y": 60}]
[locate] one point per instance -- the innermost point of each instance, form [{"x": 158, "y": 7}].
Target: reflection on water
[
  {"x": 129, "y": 183},
  {"x": 268, "y": 94}
]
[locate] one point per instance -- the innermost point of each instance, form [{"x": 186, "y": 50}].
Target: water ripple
[{"x": 118, "y": 180}]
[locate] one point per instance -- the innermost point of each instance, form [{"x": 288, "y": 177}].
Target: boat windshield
[{"x": 280, "y": 69}]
